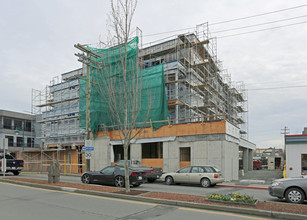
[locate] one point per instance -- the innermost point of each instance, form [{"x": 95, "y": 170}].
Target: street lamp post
[{"x": 23, "y": 135}]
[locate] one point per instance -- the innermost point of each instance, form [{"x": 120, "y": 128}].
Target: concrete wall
[
  {"x": 101, "y": 154},
  {"x": 204, "y": 151},
  {"x": 222, "y": 154},
  {"x": 294, "y": 157},
  {"x": 230, "y": 167},
  {"x": 170, "y": 156},
  {"x": 136, "y": 152}
]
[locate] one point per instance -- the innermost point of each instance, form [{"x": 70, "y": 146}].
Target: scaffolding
[
  {"x": 198, "y": 88},
  {"x": 58, "y": 107}
]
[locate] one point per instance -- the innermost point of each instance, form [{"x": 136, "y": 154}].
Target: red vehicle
[{"x": 257, "y": 164}]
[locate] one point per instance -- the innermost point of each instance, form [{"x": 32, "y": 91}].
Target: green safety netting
[{"x": 144, "y": 90}]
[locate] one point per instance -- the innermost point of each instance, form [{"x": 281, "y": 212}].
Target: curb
[
  {"x": 243, "y": 187},
  {"x": 221, "y": 208}
]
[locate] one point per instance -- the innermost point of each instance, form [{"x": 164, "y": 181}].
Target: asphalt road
[
  {"x": 27, "y": 203},
  {"x": 262, "y": 195}
]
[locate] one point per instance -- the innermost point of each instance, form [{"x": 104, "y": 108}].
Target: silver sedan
[
  {"x": 206, "y": 176},
  {"x": 293, "y": 189}
]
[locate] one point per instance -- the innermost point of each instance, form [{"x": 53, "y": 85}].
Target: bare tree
[
  {"x": 120, "y": 81},
  {"x": 121, "y": 97},
  {"x": 121, "y": 15}
]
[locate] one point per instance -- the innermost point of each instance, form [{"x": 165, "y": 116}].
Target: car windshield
[
  {"x": 7, "y": 156},
  {"x": 122, "y": 163}
]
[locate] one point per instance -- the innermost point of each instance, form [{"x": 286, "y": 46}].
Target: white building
[{"x": 296, "y": 154}]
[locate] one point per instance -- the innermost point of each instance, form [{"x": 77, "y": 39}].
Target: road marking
[
  {"x": 222, "y": 213},
  {"x": 135, "y": 202}
]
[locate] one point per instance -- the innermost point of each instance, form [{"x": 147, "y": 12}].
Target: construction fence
[{"x": 71, "y": 161}]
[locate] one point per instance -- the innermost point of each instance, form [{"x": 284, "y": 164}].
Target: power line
[
  {"x": 227, "y": 21},
  {"x": 258, "y": 15},
  {"x": 255, "y": 25},
  {"x": 275, "y": 82},
  {"x": 167, "y": 32},
  {"x": 284, "y": 87},
  {"x": 266, "y": 29}
]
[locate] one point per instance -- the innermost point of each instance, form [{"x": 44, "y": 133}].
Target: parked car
[
  {"x": 113, "y": 175},
  {"x": 257, "y": 165},
  {"x": 206, "y": 176},
  {"x": 12, "y": 165},
  {"x": 293, "y": 189},
  {"x": 152, "y": 173}
]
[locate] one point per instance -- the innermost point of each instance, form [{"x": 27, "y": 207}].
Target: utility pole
[
  {"x": 86, "y": 59},
  {"x": 88, "y": 113},
  {"x": 285, "y": 131}
]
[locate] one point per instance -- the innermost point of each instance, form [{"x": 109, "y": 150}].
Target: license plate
[
  {"x": 140, "y": 178},
  {"x": 13, "y": 168}
]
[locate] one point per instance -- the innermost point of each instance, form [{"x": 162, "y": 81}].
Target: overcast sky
[{"x": 37, "y": 38}]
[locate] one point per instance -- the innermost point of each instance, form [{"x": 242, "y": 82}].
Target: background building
[{"x": 24, "y": 139}]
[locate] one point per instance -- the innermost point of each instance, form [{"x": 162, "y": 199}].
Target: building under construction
[
  {"x": 207, "y": 113},
  {"x": 197, "y": 86},
  {"x": 62, "y": 137}
]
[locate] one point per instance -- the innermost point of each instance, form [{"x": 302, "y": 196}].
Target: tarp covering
[{"x": 143, "y": 90}]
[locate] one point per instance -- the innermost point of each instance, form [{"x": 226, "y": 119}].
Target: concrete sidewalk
[
  {"x": 255, "y": 179},
  {"x": 247, "y": 184}
]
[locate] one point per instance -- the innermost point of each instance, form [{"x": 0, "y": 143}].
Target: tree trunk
[{"x": 127, "y": 181}]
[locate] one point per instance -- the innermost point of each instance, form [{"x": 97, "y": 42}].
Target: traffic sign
[
  {"x": 88, "y": 148},
  {"x": 88, "y": 155}
]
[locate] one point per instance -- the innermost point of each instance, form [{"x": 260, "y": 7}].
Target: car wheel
[
  {"x": 205, "y": 182},
  {"x": 119, "y": 181},
  {"x": 151, "y": 180},
  {"x": 169, "y": 180},
  {"x": 295, "y": 195},
  {"x": 16, "y": 173},
  {"x": 86, "y": 179}
]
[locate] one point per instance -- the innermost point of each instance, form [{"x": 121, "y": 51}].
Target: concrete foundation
[{"x": 222, "y": 154}]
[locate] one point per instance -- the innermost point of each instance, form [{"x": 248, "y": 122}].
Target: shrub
[{"x": 235, "y": 197}]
